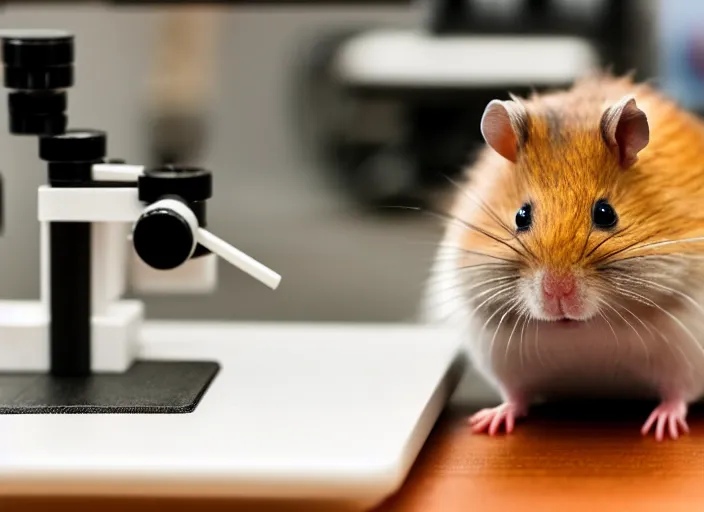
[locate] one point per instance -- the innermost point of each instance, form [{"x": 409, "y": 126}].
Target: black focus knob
[
  {"x": 37, "y": 113},
  {"x": 74, "y": 146},
  {"x": 164, "y": 235},
  {"x": 38, "y": 59},
  {"x": 193, "y": 184}
]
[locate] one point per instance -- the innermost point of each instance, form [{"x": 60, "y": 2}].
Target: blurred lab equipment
[
  {"x": 181, "y": 86},
  {"x": 408, "y": 102}
]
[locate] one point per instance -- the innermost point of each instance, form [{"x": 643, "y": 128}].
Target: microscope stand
[{"x": 120, "y": 383}]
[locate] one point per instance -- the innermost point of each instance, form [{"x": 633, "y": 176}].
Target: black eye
[
  {"x": 524, "y": 217},
  {"x": 603, "y": 215}
]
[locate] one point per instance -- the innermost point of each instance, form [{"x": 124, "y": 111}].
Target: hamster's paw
[
  {"x": 670, "y": 414},
  {"x": 490, "y": 420}
]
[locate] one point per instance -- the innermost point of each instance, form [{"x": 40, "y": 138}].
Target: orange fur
[
  {"x": 634, "y": 314},
  {"x": 565, "y": 166}
]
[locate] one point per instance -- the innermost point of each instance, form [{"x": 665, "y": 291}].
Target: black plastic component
[
  {"x": 38, "y": 60},
  {"x": 37, "y": 48},
  {"x": 38, "y": 67},
  {"x": 45, "y": 102},
  {"x": 37, "y": 125},
  {"x": 190, "y": 183},
  {"x": 199, "y": 208},
  {"x": 147, "y": 387},
  {"x": 37, "y": 113},
  {"x": 163, "y": 239},
  {"x": 39, "y": 79},
  {"x": 74, "y": 146},
  {"x": 70, "y": 173},
  {"x": 70, "y": 310}
]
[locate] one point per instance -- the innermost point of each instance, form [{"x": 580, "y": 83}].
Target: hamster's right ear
[
  {"x": 504, "y": 126},
  {"x": 625, "y": 129}
]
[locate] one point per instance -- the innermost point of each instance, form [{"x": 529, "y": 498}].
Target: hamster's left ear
[
  {"x": 624, "y": 128},
  {"x": 504, "y": 126}
]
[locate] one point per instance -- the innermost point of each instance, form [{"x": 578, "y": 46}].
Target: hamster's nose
[{"x": 558, "y": 285}]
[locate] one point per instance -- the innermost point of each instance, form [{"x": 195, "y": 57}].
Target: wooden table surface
[{"x": 582, "y": 457}]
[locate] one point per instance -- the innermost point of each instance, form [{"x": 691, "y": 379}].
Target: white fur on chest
[{"x": 644, "y": 353}]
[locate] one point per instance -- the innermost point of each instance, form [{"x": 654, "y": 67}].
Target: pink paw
[
  {"x": 493, "y": 418},
  {"x": 671, "y": 415}
]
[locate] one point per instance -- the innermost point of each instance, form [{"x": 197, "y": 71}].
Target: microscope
[
  {"x": 96, "y": 399},
  {"x": 105, "y": 226}
]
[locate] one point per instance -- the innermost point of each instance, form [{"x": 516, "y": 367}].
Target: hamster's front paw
[
  {"x": 670, "y": 414},
  {"x": 490, "y": 420}
]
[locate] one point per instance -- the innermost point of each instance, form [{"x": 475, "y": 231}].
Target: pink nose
[{"x": 558, "y": 285}]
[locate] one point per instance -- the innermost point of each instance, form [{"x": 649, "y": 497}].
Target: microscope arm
[{"x": 122, "y": 205}]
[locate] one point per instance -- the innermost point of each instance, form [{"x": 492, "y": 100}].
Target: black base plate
[{"x": 148, "y": 387}]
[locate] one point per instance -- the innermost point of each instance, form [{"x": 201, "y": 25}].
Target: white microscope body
[{"x": 115, "y": 269}]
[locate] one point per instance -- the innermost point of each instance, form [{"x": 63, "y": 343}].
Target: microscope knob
[
  {"x": 33, "y": 113},
  {"x": 164, "y": 236},
  {"x": 74, "y": 146},
  {"x": 37, "y": 59},
  {"x": 193, "y": 184}
]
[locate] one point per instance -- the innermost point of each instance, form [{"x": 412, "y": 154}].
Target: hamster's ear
[
  {"x": 625, "y": 129},
  {"x": 504, "y": 126}
]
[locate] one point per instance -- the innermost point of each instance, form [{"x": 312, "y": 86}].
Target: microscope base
[{"x": 147, "y": 387}]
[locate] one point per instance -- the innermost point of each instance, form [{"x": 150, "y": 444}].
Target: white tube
[
  {"x": 117, "y": 172},
  {"x": 238, "y": 259}
]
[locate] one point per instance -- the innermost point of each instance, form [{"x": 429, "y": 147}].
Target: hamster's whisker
[
  {"x": 611, "y": 327},
  {"x": 586, "y": 243},
  {"x": 486, "y": 208},
  {"x": 513, "y": 305},
  {"x": 506, "y": 260},
  {"x": 653, "y": 284},
  {"x": 486, "y": 267},
  {"x": 673, "y": 347},
  {"x": 659, "y": 257},
  {"x": 610, "y": 237},
  {"x": 671, "y": 316},
  {"x": 611, "y": 254},
  {"x": 493, "y": 280},
  {"x": 642, "y": 341},
  {"x": 537, "y": 345},
  {"x": 477, "y": 229},
  {"x": 496, "y": 312},
  {"x": 668, "y": 242},
  {"x": 606, "y": 303},
  {"x": 466, "y": 289},
  {"x": 624, "y": 292},
  {"x": 472, "y": 269},
  {"x": 502, "y": 289},
  {"x": 526, "y": 320},
  {"x": 522, "y": 311},
  {"x": 504, "y": 242},
  {"x": 644, "y": 300}
]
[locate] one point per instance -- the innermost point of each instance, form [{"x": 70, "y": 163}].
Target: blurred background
[{"x": 315, "y": 117}]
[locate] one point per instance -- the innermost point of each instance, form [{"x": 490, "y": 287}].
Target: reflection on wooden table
[{"x": 573, "y": 457}]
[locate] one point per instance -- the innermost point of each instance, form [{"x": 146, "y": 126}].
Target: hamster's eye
[
  {"x": 524, "y": 217},
  {"x": 603, "y": 215}
]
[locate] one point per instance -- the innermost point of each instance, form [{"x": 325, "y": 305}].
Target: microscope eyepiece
[{"x": 38, "y": 68}]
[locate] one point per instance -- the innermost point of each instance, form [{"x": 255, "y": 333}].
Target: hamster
[{"x": 574, "y": 255}]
